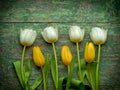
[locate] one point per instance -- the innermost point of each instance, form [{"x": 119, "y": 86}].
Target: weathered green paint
[
  {"x": 58, "y": 10},
  {"x": 38, "y": 14}
]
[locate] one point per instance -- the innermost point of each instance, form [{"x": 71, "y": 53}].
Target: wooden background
[{"x": 38, "y": 14}]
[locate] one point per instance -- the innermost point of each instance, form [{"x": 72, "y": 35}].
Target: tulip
[
  {"x": 39, "y": 61},
  {"x": 89, "y": 53},
  {"x": 66, "y": 59},
  {"x": 27, "y": 37},
  {"x": 50, "y": 34},
  {"x": 38, "y": 57},
  {"x": 76, "y": 34},
  {"x": 66, "y": 55},
  {"x": 89, "y": 56},
  {"x": 98, "y": 35}
]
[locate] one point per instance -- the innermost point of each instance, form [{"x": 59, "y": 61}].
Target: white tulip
[
  {"x": 76, "y": 34},
  {"x": 98, "y": 35},
  {"x": 27, "y": 37},
  {"x": 50, "y": 34}
]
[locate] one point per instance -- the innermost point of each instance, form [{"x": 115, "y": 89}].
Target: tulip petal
[
  {"x": 33, "y": 36},
  {"x": 76, "y": 34},
  {"x": 89, "y": 53},
  {"x": 23, "y": 33},
  {"x": 27, "y": 37},
  {"x": 66, "y": 55},
  {"x": 98, "y": 35},
  {"x": 38, "y": 57},
  {"x": 50, "y": 34}
]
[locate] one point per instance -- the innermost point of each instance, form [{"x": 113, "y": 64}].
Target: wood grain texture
[
  {"x": 38, "y": 14},
  {"x": 59, "y": 10}
]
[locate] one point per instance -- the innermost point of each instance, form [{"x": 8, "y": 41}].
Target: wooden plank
[
  {"x": 10, "y": 51},
  {"x": 59, "y": 11}
]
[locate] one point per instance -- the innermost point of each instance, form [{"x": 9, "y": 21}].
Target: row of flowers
[{"x": 50, "y": 35}]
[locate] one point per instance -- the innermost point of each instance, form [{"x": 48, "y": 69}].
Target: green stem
[
  {"x": 55, "y": 66},
  {"x": 22, "y": 66},
  {"x": 91, "y": 79},
  {"x": 68, "y": 69},
  {"x": 27, "y": 87},
  {"x": 44, "y": 80},
  {"x": 68, "y": 80},
  {"x": 97, "y": 69},
  {"x": 79, "y": 67}
]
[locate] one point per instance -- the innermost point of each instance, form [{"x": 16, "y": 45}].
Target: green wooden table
[{"x": 38, "y": 14}]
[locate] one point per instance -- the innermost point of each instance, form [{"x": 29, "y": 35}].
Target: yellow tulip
[
  {"x": 89, "y": 54},
  {"x": 38, "y": 57},
  {"x": 66, "y": 55}
]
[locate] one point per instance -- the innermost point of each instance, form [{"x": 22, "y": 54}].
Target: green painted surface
[{"x": 38, "y": 14}]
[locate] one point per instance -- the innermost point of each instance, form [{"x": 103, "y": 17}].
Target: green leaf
[
  {"x": 77, "y": 85},
  {"x": 53, "y": 71},
  {"x": 60, "y": 82},
  {"x": 87, "y": 75},
  {"x": 71, "y": 67},
  {"x": 18, "y": 71},
  {"x": 46, "y": 69},
  {"x": 27, "y": 71},
  {"x": 63, "y": 81},
  {"x": 93, "y": 69},
  {"x": 83, "y": 68},
  {"x": 83, "y": 64},
  {"x": 36, "y": 83},
  {"x": 70, "y": 73},
  {"x": 93, "y": 72},
  {"x": 74, "y": 84}
]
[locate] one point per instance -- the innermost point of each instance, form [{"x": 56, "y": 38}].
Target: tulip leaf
[
  {"x": 77, "y": 85},
  {"x": 46, "y": 69},
  {"x": 60, "y": 86},
  {"x": 27, "y": 71},
  {"x": 93, "y": 69},
  {"x": 83, "y": 64},
  {"x": 71, "y": 67},
  {"x": 85, "y": 71},
  {"x": 87, "y": 75},
  {"x": 83, "y": 68},
  {"x": 93, "y": 72},
  {"x": 18, "y": 71},
  {"x": 71, "y": 72},
  {"x": 53, "y": 70},
  {"x": 36, "y": 83},
  {"x": 63, "y": 80},
  {"x": 74, "y": 84}
]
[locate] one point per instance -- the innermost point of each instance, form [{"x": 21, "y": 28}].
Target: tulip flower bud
[
  {"x": 98, "y": 35},
  {"x": 76, "y": 34},
  {"x": 38, "y": 57},
  {"x": 27, "y": 37},
  {"x": 50, "y": 34},
  {"x": 89, "y": 54},
  {"x": 66, "y": 55}
]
